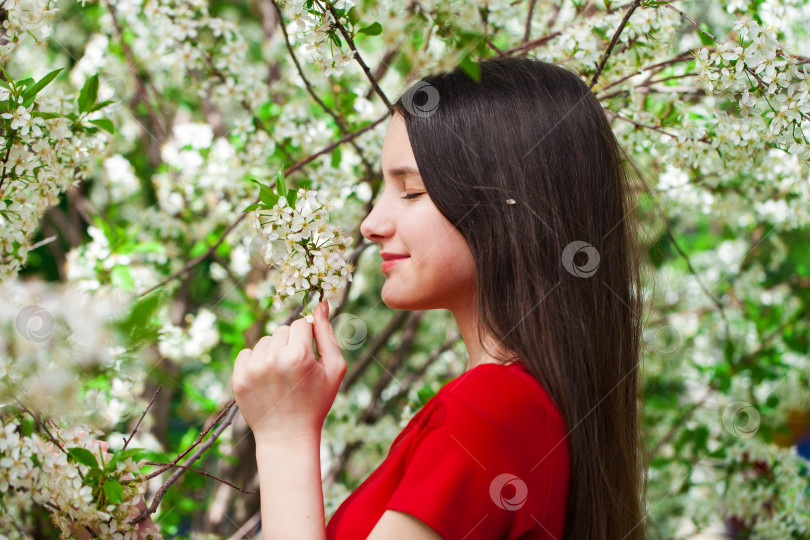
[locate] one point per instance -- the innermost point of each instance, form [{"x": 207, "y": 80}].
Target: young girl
[{"x": 505, "y": 201}]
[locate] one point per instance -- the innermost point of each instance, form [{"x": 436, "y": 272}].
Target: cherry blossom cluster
[
  {"x": 73, "y": 477},
  {"x": 47, "y": 145},
  {"x": 768, "y": 80},
  {"x": 306, "y": 252}
]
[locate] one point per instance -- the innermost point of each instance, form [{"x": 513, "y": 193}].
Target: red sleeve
[{"x": 458, "y": 474}]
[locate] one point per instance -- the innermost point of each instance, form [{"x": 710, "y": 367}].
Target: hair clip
[{"x": 510, "y": 201}]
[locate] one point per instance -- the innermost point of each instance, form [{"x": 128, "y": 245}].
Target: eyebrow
[{"x": 403, "y": 170}]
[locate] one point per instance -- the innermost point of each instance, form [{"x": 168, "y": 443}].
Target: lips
[
  {"x": 392, "y": 259},
  {"x": 392, "y": 256}
]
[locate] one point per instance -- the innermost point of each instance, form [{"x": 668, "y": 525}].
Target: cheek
[{"x": 446, "y": 248}]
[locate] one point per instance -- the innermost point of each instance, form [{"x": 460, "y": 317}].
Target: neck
[{"x": 467, "y": 320}]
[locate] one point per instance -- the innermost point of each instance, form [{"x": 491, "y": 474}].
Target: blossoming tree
[{"x": 138, "y": 255}]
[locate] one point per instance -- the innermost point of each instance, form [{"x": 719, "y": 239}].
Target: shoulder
[
  {"x": 507, "y": 395},
  {"x": 479, "y": 450}
]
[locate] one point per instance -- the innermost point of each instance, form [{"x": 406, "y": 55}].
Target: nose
[{"x": 378, "y": 224}]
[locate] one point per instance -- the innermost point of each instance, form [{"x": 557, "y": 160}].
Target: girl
[{"x": 506, "y": 202}]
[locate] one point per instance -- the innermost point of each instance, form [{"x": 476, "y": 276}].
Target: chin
[{"x": 411, "y": 302}]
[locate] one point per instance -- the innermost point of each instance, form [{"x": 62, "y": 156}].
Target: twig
[
  {"x": 195, "y": 443},
  {"x": 338, "y": 119},
  {"x": 613, "y": 41},
  {"x": 177, "y": 474},
  {"x": 126, "y": 441},
  {"x": 357, "y": 56},
  {"x": 247, "y": 526},
  {"x": 682, "y": 57},
  {"x": 170, "y": 465},
  {"x": 525, "y": 47},
  {"x": 42, "y": 243},
  {"x": 639, "y": 124},
  {"x": 528, "y": 23}
]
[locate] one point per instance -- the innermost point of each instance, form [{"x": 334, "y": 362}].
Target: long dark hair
[{"x": 525, "y": 165}]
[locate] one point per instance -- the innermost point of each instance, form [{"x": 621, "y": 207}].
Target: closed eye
[{"x": 412, "y": 195}]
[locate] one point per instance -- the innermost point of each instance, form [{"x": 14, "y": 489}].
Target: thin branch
[
  {"x": 523, "y": 48},
  {"x": 338, "y": 119},
  {"x": 126, "y": 441},
  {"x": 195, "y": 443},
  {"x": 613, "y": 41},
  {"x": 639, "y": 124},
  {"x": 178, "y": 473},
  {"x": 170, "y": 465},
  {"x": 43, "y": 242},
  {"x": 682, "y": 57},
  {"x": 527, "y": 32},
  {"x": 357, "y": 55}
]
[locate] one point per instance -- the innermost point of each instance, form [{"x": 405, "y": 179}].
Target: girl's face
[{"x": 438, "y": 272}]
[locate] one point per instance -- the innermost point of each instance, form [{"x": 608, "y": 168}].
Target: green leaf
[
  {"x": 114, "y": 491},
  {"x": 374, "y": 29},
  {"x": 121, "y": 277},
  {"x": 46, "y": 115},
  {"x": 251, "y": 208},
  {"x": 291, "y": 197},
  {"x": 281, "y": 187},
  {"x": 121, "y": 455},
  {"x": 704, "y": 38},
  {"x": 471, "y": 68},
  {"x": 83, "y": 456},
  {"x": 104, "y": 124},
  {"x": 31, "y": 92},
  {"x": 352, "y": 16},
  {"x": 266, "y": 194},
  {"x": 88, "y": 94},
  {"x": 336, "y": 157},
  {"x": 101, "y": 105}
]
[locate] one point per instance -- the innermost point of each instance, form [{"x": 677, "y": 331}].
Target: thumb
[{"x": 325, "y": 340}]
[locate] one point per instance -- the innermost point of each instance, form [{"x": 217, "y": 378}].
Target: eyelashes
[{"x": 412, "y": 195}]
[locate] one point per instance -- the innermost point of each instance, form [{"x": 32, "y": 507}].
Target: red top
[{"x": 485, "y": 458}]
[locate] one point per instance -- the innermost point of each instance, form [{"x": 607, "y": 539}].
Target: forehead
[{"x": 397, "y": 159}]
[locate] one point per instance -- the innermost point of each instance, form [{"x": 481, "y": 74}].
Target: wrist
[{"x": 287, "y": 440}]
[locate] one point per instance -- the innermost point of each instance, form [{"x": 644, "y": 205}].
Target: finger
[
  {"x": 327, "y": 343},
  {"x": 268, "y": 346},
  {"x": 240, "y": 366},
  {"x": 241, "y": 360},
  {"x": 301, "y": 332}
]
